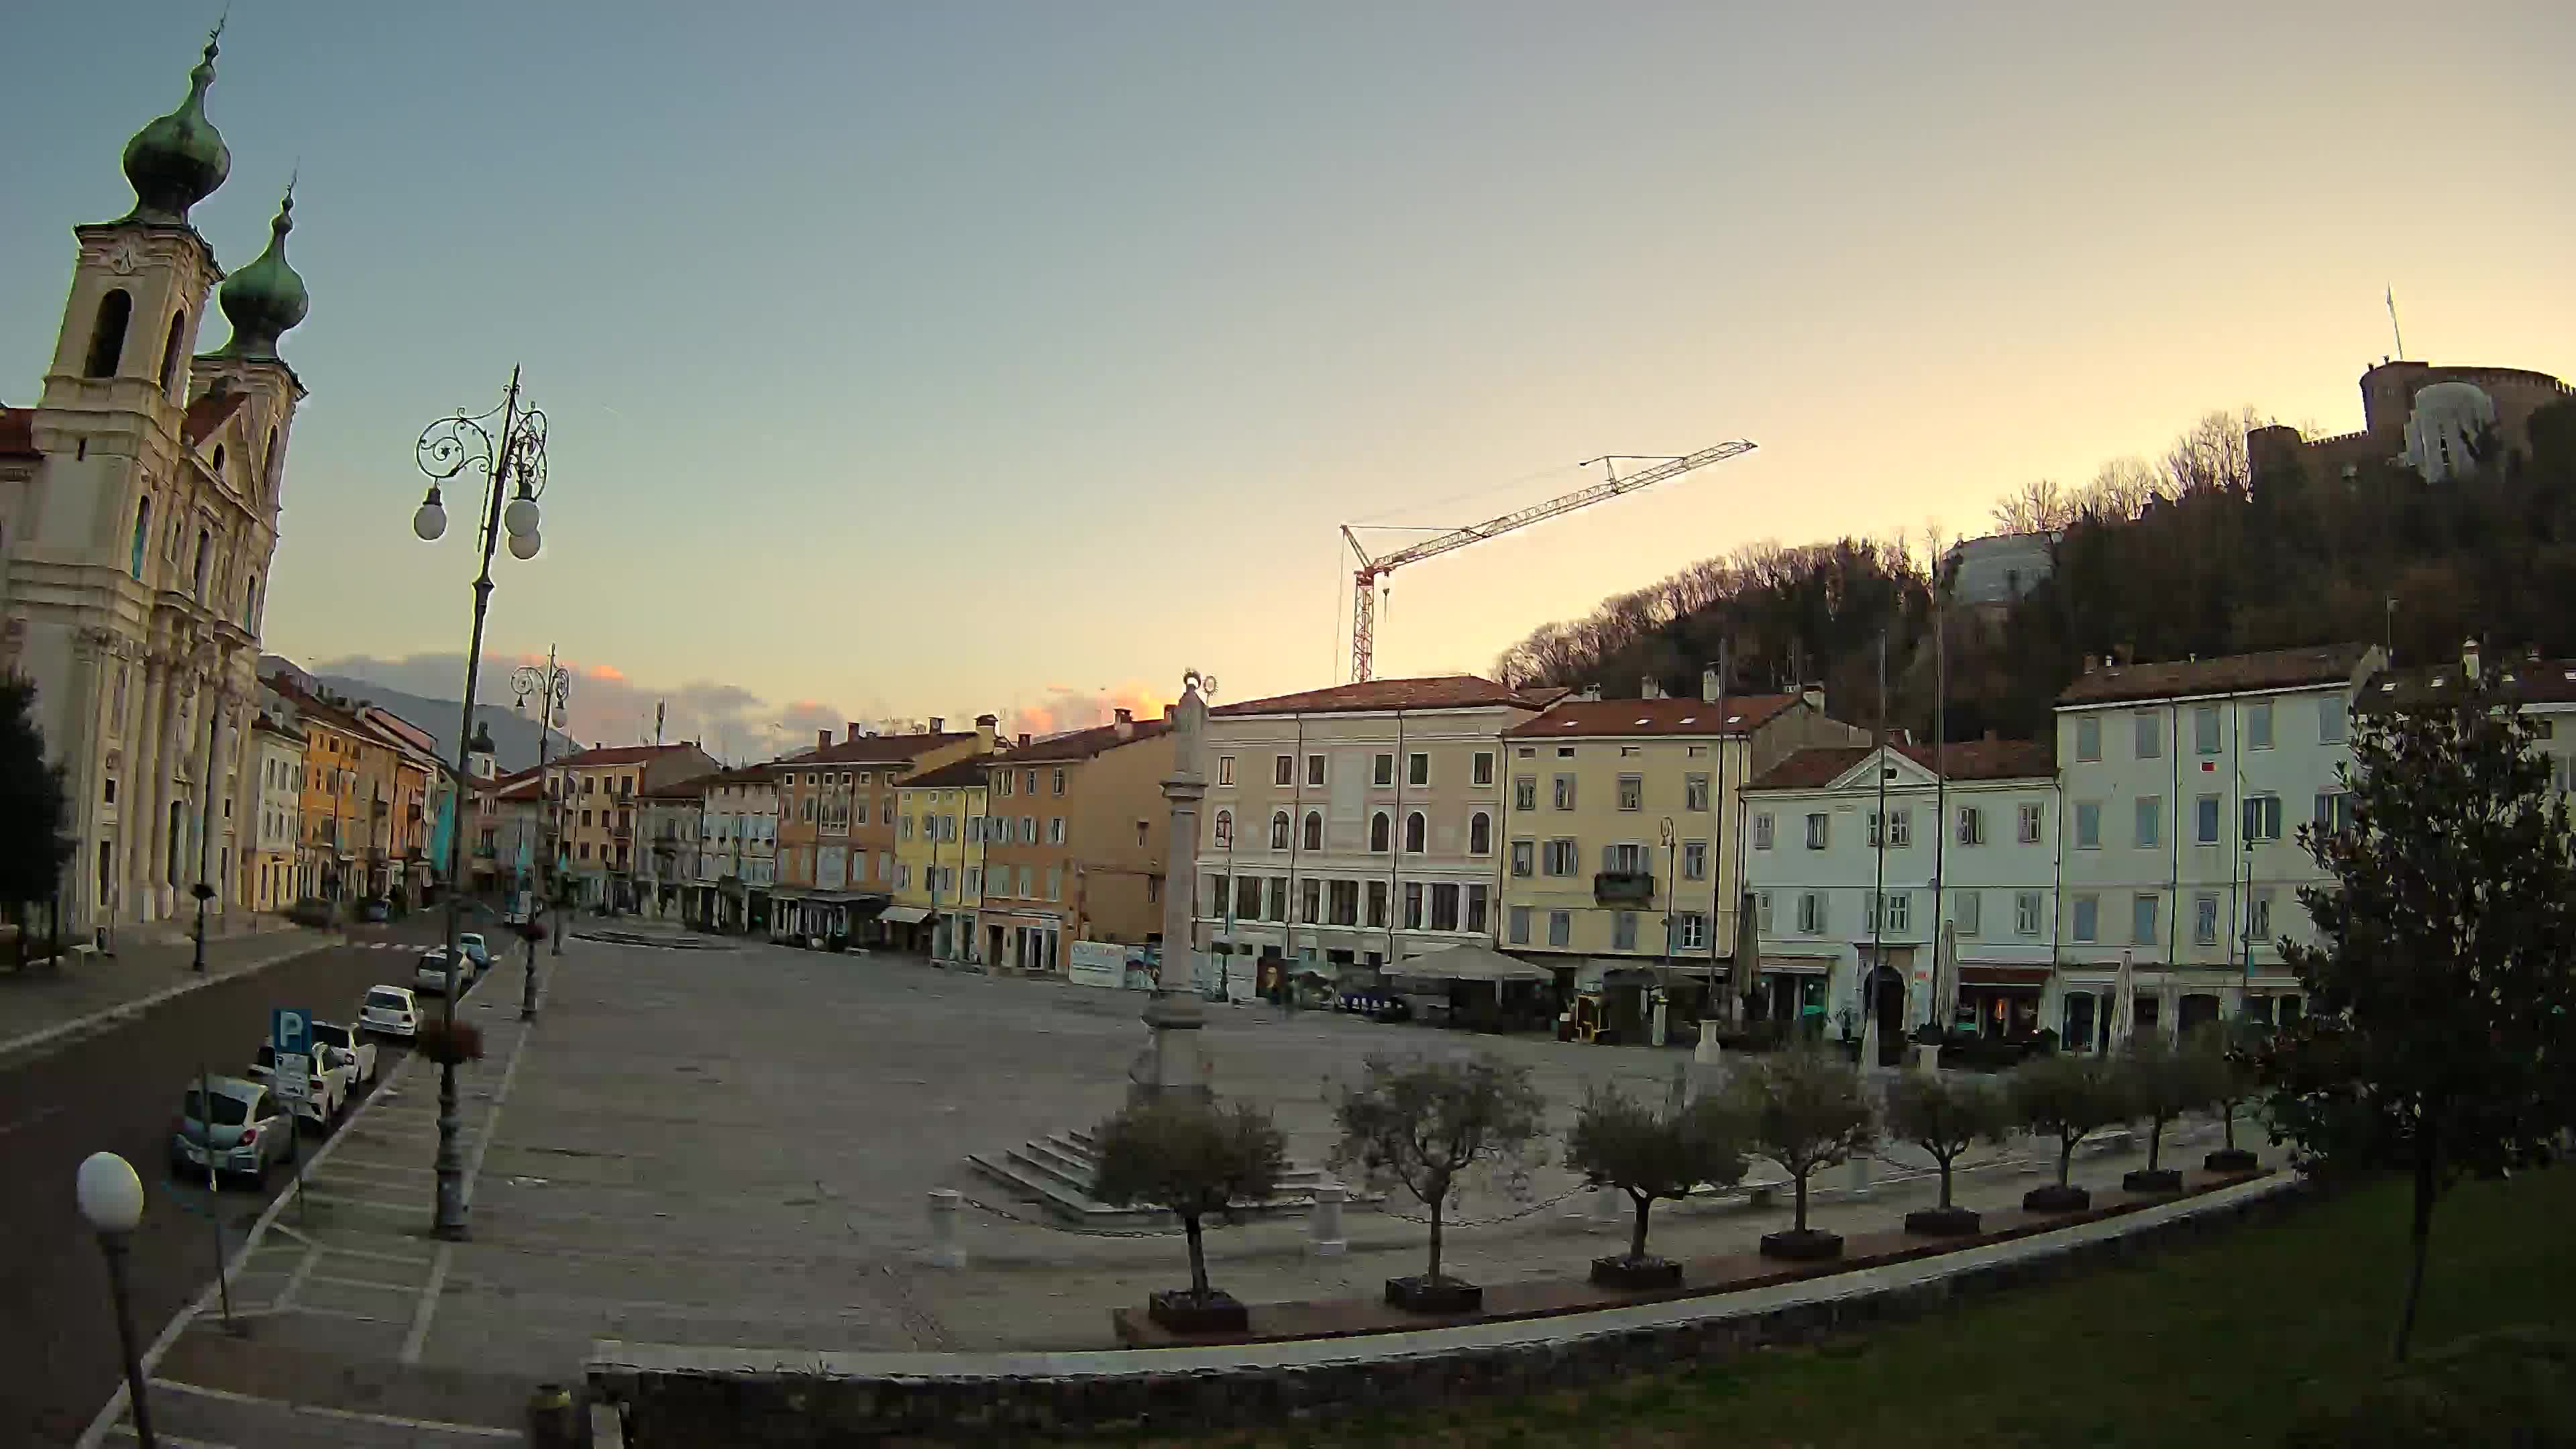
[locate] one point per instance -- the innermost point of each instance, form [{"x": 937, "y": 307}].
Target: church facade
[{"x": 138, "y": 519}]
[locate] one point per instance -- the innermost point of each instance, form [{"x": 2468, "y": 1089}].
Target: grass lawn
[{"x": 2214, "y": 1343}]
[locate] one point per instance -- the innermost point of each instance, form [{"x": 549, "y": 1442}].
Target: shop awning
[
  {"x": 905, "y": 915},
  {"x": 1773, "y": 965},
  {"x": 1470, "y": 962},
  {"x": 1972, "y": 973}
]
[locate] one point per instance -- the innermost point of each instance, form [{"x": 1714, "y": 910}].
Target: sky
[{"x": 905, "y": 360}]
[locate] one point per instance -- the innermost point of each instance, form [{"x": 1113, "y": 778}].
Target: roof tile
[
  {"x": 1593, "y": 718},
  {"x": 1446, "y": 691},
  {"x": 1080, "y": 744},
  {"x": 1814, "y": 768},
  {"x": 2227, "y": 674}
]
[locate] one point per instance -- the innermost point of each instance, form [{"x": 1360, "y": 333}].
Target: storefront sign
[{"x": 1100, "y": 963}]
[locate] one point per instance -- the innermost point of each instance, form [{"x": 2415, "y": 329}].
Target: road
[{"x": 119, "y": 1091}]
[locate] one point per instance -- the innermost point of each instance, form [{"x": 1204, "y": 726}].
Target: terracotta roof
[
  {"x": 1814, "y": 768},
  {"x": 524, "y": 785},
  {"x": 1546, "y": 694},
  {"x": 208, "y": 413},
  {"x": 693, "y": 788},
  {"x": 746, "y": 775},
  {"x": 1081, "y": 744},
  {"x": 617, "y": 755},
  {"x": 1446, "y": 691},
  {"x": 872, "y": 750},
  {"x": 966, "y": 772},
  {"x": 18, "y": 433},
  {"x": 1592, "y": 718},
  {"x": 2525, "y": 680},
  {"x": 273, "y": 727},
  {"x": 2228, "y": 674}
]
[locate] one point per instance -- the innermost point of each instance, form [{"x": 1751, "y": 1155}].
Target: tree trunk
[
  {"x": 2155, "y": 1139},
  {"x": 2065, "y": 1158},
  {"x": 1945, "y": 1182},
  {"x": 1637, "y": 1239},
  {"x": 1198, "y": 1257},
  {"x": 1801, "y": 1224},
  {"x": 1435, "y": 1238},
  {"x": 2419, "y": 1238},
  {"x": 2227, "y": 1122}
]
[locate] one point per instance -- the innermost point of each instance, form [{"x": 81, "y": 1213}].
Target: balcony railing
[{"x": 1624, "y": 888}]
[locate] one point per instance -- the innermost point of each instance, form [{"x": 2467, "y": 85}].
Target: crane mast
[{"x": 1365, "y": 578}]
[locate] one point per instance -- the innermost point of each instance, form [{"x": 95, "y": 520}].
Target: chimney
[
  {"x": 1814, "y": 695},
  {"x": 822, "y": 739},
  {"x": 1126, "y": 725},
  {"x": 1590, "y": 692},
  {"x": 1024, "y": 739},
  {"x": 852, "y": 730},
  {"x": 1650, "y": 688},
  {"x": 985, "y": 724},
  {"x": 1708, "y": 686},
  {"x": 2469, "y": 660},
  {"x": 938, "y": 725}
]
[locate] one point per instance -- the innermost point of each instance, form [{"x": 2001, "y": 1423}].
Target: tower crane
[{"x": 1365, "y": 578}]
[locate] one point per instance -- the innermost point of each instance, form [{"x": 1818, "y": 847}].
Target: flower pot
[
  {"x": 1418, "y": 1294},
  {"x": 1183, "y": 1311},
  {"x": 1952, "y": 1222},
  {"x": 2162, "y": 1179},
  {"x": 1622, "y": 1271},
  {"x": 2230, "y": 1159},
  {"x": 2055, "y": 1199},
  {"x": 1808, "y": 1245}
]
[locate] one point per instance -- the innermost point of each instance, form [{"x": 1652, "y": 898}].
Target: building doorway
[{"x": 1887, "y": 1005}]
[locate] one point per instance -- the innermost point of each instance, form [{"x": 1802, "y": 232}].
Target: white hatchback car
[
  {"x": 429, "y": 974},
  {"x": 389, "y": 1011}
]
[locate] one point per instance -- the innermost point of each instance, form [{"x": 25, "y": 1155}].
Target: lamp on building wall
[{"x": 515, "y": 458}]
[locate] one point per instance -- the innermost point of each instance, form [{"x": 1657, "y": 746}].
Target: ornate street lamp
[
  {"x": 515, "y": 458},
  {"x": 552, "y": 688}
]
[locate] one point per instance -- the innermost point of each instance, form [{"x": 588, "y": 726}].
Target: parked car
[
  {"x": 376, "y": 910},
  {"x": 327, "y": 1087},
  {"x": 236, "y": 1126},
  {"x": 429, "y": 974},
  {"x": 360, "y": 1051},
  {"x": 390, "y": 1011},
  {"x": 471, "y": 943}
]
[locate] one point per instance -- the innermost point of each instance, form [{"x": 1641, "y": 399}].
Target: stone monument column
[{"x": 1174, "y": 1063}]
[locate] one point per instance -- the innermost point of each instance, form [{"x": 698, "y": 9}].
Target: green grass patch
[{"x": 2219, "y": 1342}]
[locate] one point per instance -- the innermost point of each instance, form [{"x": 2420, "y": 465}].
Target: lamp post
[
  {"x": 517, "y": 456},
  {"x": 552, "y": 687},
  {"x": 206, "y": 816},
  {"x": 111, "y": 1200},
  {"x": 1664, "y": 960}
]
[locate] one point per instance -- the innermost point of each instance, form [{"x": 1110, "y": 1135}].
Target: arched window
[
  {"x": 1381, "y": 829},
  {"x": 250, "y": 603},
  {"x": 1413, "y": 833},
  {"x": 268, "y": 460},
  {"x": 1480, "y": 834},
  {"x": 1225, "y": 830},
  {"x": 219, "y": 460},
  {"x": 107, "y": 335},
  {"x": 1279, "y": 830},
  {"x": 142, "y": 532},
  {"x": 1314, "y": 830},
  {"x": 205, "y": 551},
  {"x": 170, "y": 354}
]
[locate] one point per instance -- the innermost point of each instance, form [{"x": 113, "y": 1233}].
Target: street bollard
[
  {"x": 945, "y": 1250},
  {"x": 1324, "y": 1222},
  {"x": 1859, "y": 1185},
  {"x": 1609, "y": 1207}
]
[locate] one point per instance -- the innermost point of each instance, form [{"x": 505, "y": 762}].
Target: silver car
[{"x": 246, "y": 1129}]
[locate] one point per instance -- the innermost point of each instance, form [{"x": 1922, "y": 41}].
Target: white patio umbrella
[
  {"x": 1945, "y": 978},
  {"x": 2124, "y": 1000}
]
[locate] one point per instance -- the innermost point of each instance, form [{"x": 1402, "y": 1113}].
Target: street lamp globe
[
  {"x": 525, "y": 545},
  {"x": 430, "y": 522},
  {"x": 520, "y": 517},
  {"x": 111, "y": 1196}
]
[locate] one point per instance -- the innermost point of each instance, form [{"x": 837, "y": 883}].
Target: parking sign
[{"x": 290, "y": 1031}]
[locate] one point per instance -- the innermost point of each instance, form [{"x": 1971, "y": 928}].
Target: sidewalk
[{"x": 45, "y": 1007}]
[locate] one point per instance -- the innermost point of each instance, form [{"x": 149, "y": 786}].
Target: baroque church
[{"x": 138, "y": 517}]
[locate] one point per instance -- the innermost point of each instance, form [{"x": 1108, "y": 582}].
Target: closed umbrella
[
  {"x": 1945, "y": 978},
  {"x": 2124, "y": 1000}
]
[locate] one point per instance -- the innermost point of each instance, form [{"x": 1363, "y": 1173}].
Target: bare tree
[{"x": 2041, "y": 505}]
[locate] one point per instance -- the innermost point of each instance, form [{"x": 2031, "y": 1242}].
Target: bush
[
  {"x": 1619, "y": 1142},
  {"x": 449, "y": 1043},
  {"x": 1193, "y": 1160}
]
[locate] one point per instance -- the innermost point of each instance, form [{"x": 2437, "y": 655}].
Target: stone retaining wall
[{"x": 684, "y": 1398}]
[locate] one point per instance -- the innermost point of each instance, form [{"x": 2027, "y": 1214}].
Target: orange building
[
  {"x": 1075, "y": 843},
  {"x": 837, "y": 825}
]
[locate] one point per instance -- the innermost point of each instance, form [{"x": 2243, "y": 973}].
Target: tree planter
[
  {"x": 1622, "y": 1271},
  {"x": 1419, "y": 1294},
  {"x": 1802, "y": 1245},
  {"x": 2230, "y": 1159},
  {"x": 2161, "y": 1179},
  {"x": 1183, "y": 1311},
  {"x": 2056, "y": 1199},
  {"x": 1954, "y": 1222}
]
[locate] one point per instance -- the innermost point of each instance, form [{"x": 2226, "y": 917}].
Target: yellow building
[
  {"x": 1621, "y": 813},
  {"x": 939, "y": 859}
]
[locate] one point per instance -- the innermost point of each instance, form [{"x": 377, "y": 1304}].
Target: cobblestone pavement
[{"x": 733, "y": 1146}]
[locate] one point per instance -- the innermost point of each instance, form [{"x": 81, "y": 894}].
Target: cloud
[
  {"x": 606, "y": 706},
  {"x": 1067, "y": 708}
]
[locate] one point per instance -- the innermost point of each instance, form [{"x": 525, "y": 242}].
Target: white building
[
  {"x": 2185, "y": 784},
  {"x": 138, "y": 516},
  {"x": 1848, "y": 912},
  {"x": 1356, "y": 825},
  {"x": 276, "y": 806},
  {"x": 737, "y": 859}
]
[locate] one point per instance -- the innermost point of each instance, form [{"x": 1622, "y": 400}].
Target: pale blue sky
[{"x": 922, "y": 359}]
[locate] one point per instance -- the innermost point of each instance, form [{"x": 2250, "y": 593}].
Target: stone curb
[
  {"x": 19, "y": 1050},
  {"x": 678, "y": 1395}
]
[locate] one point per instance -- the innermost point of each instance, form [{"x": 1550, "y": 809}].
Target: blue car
[{"x": 470, "y": 943}]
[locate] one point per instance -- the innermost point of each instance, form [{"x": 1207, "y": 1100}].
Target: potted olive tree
[
  {"x": 1803, "y": 1110},
  {"x": 1945, "y": 1115},
  {"x": 2228, "y": 1058},
  {"x": 1196, "y": 1161},
  {"x": 2069, "y": 1098},
  {"x": 1429, "y": 1127},
  {"x": 2164, "y": 1081},
  {"x": 1621, "y": 1144}
]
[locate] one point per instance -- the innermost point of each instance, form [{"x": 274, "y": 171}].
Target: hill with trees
[{"x": 2203, "y": 551}]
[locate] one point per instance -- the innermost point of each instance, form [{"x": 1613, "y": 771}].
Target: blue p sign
[{"x": 291, "y": 1028}]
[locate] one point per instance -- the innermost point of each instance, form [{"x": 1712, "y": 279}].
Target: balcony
[{"x": 1623, "y": 888}]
